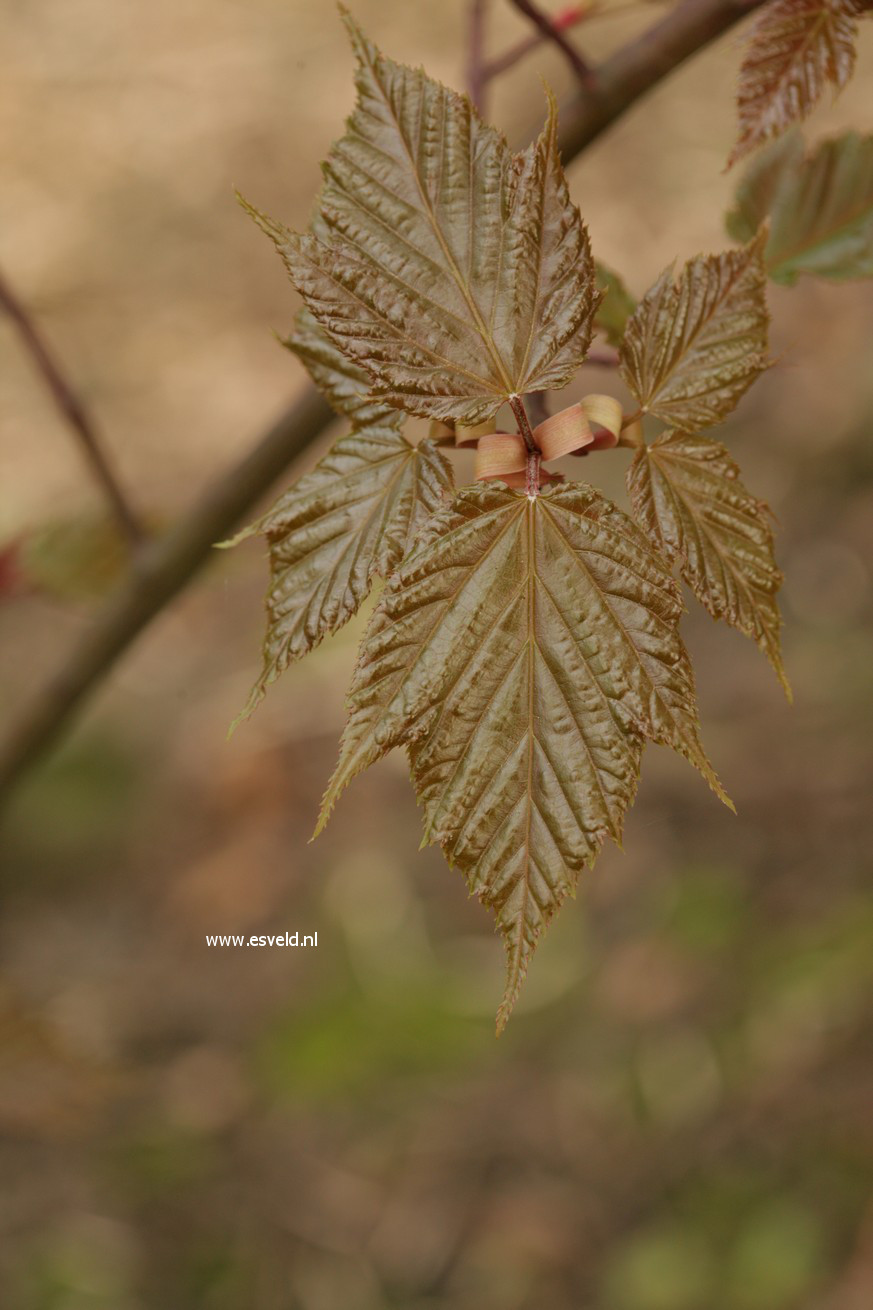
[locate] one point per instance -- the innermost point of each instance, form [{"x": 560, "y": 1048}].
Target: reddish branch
[
  {"x": 550, "y": 31},
  {"x": 561, "y": 22},
  {"x": 169, "y": 564},
  {"x": 73, "y": 411}
]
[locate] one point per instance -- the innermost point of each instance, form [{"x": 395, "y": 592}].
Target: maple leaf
[
  {"x": 354, "y": 515},
  {"x": 686, "y": 493},
  {"x": 819, "y": 206},
  {"x": 453, "y": 272},
  {"x": 693, "y": 346},
  {"x": 796, "y": 49},
  {"x": 523, "y": 652},
  {"x": 344, "y": 384}
]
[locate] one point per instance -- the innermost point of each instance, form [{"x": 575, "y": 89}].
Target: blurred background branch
[
  {"x": 562, "y": 22},
  {"x": 162, "y": 570},
  {"x": 73, "y": 410},
  {"x": 167, "y": 566},
  {"x": 552, "y": 31}
]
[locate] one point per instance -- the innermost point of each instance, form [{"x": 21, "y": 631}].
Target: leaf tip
[
  {"x": 735, "y": 156},
  {"x": 505, "y": 1010},
  {"x": 359, "y": 41},
  {"x": 328, "y": 801},
  {"x": 515, "y": 977},
  {"x": 243, "y": 535},
  {"x": 255, "y": 698},
  {"x": 277, "y": 232},
  {"x": 715, "y": 783},
  {"x": 551, "y": 106},
  {"x": 758, "y": 245},
  {"x": 700, "y": 760},
  {"x": 340, "y": 779},
  {"x": 519, "y": 950},
  {"x": 779, "y": 670}
]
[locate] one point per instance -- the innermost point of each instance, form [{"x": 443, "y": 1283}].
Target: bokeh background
[{"x": 680, "y": 1114}]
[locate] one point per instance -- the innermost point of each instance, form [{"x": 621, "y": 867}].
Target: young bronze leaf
[
  {"x": 695, "y": 345},
  {"x": 453, "y": 272},
  {"x": 546, "y": 298},
  {"x": 796, "y": 49},
  {"x": 345, "y": 384},
  {"x": 686, "y": 493},
  {"x": 523, "y": 652},
  {"x": 616, "y": 306},
  {"x": 354, "y": 515},
  {"x": 820, "y": 208}
]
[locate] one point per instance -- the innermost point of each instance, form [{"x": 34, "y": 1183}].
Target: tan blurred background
[{"x": 680, "y": 1114}]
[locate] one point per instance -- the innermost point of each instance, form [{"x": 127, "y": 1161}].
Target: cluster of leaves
[{"x": 526, "y": 646}]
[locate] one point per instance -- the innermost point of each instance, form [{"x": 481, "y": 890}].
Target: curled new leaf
[
  {"x": 354, "y": 515},
  {"x": 523, "y": 652},
  {"x": 693, "y": 346},
  {"x": 819, "y": 206},
  {"x": 454, "y": 273},
  {"x": 796, "y": 49},
  {"x": 686, "y": 493}
]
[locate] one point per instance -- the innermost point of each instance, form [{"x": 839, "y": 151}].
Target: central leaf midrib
[
  {"x": 450, "y": 259},
  {"x": 399, "y": 335},
  {"x": 691, "y": 745},
  {"x": 355, "y": 535},
  {"x": 398, "y": 236},
  {"x": 798, "y": 55},
  {"x": 703, "y": 527},
  {"x": 664, "y": 460},
  {"x": 669, "y": 375},
  {"x": 514, "y": 972}
]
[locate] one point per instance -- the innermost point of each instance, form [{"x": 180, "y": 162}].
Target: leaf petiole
[{"x": 532, "y": 468}]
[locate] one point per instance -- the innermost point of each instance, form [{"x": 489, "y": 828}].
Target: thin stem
[
  {"x": 516, "y": 404},
  {"x": 551, "y": 32},
  {"x": 476, "y": 78},
  {"x": 562, "y": 22},
  {"x": 532, "y": 474},
  {"x": 72, "y": 409},
  {"x": 532, "y": 467}
]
